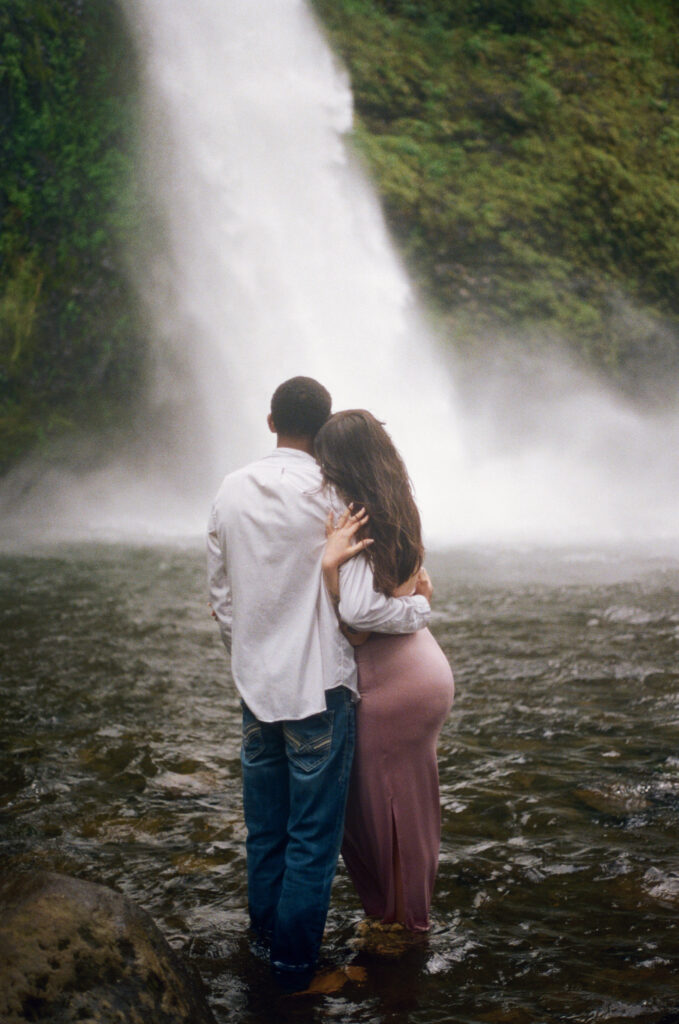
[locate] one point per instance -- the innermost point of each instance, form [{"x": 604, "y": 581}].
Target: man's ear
[{"x": 272, "y": 425}]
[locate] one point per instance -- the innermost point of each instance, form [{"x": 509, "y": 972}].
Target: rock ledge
[{"x": 72, "y": 952}]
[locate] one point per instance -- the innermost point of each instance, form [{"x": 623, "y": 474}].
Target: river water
[{"x": 558, "y": 891}]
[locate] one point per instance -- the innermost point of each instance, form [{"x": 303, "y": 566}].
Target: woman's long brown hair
[{"x": 357, "y": 455}]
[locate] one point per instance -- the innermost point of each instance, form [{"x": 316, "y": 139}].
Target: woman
[{"x": 393, "y": 821}]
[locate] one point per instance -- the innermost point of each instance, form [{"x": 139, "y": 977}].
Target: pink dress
[{"x": 407, "y": 690}]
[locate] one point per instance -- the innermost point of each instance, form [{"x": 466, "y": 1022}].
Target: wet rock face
[{"x": 76, "y": 953}]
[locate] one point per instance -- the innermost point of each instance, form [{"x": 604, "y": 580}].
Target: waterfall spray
[{"x": 276, "y": 261}]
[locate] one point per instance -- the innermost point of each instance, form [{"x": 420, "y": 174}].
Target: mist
[{"x": 275, "y": 261}]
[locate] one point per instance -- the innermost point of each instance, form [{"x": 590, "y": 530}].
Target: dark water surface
[{"x": 558, "y": 892}]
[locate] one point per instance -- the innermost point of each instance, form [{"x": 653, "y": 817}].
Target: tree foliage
[
  {"x": 527, "y": 155},
  {"x": 69, "y": 347}
]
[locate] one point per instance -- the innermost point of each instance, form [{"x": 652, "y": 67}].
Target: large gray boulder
[{"x": 76, "y": 953}]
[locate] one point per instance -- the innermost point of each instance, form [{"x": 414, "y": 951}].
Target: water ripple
[{"x": 558, "y": 889}]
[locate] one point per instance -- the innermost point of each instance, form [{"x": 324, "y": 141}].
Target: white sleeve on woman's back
[{"x": 363, "y": 608}]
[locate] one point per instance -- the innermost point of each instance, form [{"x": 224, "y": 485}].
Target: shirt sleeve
[
  {"x": 364, "y": 608},
  {"x": 218, "y": 582}
]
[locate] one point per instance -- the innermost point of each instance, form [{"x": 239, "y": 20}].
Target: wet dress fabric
[{"x": 407, "y": 690}]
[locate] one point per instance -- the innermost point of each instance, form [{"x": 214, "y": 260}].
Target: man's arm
[
  {"x": 363, "y": 608},
  {"x": 218, "y": 582}
]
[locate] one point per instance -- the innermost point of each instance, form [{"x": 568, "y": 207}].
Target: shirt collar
[{"x": 292, "y": 453}]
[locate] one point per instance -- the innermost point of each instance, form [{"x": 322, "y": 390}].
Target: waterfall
[
  {"x": 276, "y": 261},
  {"x": 281, "y": 263}
]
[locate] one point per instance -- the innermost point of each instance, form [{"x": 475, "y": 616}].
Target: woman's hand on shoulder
[{"x": 340, "y": 545}]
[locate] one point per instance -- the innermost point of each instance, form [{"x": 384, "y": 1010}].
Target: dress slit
[
  {"x": 406, "y": 688},
  {"x": 398, "y": 913}
]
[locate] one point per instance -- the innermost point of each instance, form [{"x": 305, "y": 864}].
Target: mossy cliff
[
  {"x": 70, "y": 347},
  {"x": 527, "y": 153}
]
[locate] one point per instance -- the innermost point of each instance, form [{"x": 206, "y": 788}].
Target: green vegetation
[
  {"x": 70, "y": 353},
  {"x": 527, "y": 154}
]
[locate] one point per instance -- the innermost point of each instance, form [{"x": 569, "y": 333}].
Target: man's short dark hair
[{"x": 299, "y": 407}]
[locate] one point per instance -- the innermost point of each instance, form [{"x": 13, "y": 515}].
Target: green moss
[
  {"x": 526, "y": 151},
  {"x": 69, "y": 342},
  {"x": 526, "y": 155}
]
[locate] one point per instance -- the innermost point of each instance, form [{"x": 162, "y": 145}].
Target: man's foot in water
[{"x": 332, "y": 980}]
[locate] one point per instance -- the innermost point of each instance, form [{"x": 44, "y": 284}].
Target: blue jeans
[{"x": 295, "y": 784}]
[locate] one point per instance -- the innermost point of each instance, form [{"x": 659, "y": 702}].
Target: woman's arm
[
  {"x": 362, "y": 607},
  {"x": 366, "y": 610},
  {"x": 339, "y": 548}
]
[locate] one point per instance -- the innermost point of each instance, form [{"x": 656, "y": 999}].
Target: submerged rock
[
  {"x": 614, "y": 800},
  {"x": 72, "y": 951}
]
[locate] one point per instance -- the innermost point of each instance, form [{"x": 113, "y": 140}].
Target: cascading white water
[
  {"x": 280, "y": 261},
  {"x": 276, "y": 262}
]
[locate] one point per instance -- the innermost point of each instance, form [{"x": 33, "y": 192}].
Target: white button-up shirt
[{"x": 265, "y": 544}]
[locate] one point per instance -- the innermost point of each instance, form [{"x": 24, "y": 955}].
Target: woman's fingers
[
  {"x": 361, "y": 545},
  {"x": 356, "y": 521},
  {"x": 348, "y": 521},
  {"x": 348, "y": 515}
]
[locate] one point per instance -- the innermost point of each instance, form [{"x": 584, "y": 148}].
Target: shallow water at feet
[{"x": 558, "y": 891}]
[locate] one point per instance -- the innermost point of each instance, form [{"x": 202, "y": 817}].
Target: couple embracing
[{"x": 317, "y": 583}]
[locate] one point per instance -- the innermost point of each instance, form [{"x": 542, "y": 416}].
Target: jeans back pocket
[{"x": 308, "y": 741}]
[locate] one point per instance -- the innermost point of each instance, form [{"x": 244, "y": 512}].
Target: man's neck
[{"x": 302, "y": 444}]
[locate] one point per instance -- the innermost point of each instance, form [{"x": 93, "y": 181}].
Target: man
[{"x": 295, "y": 673}]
